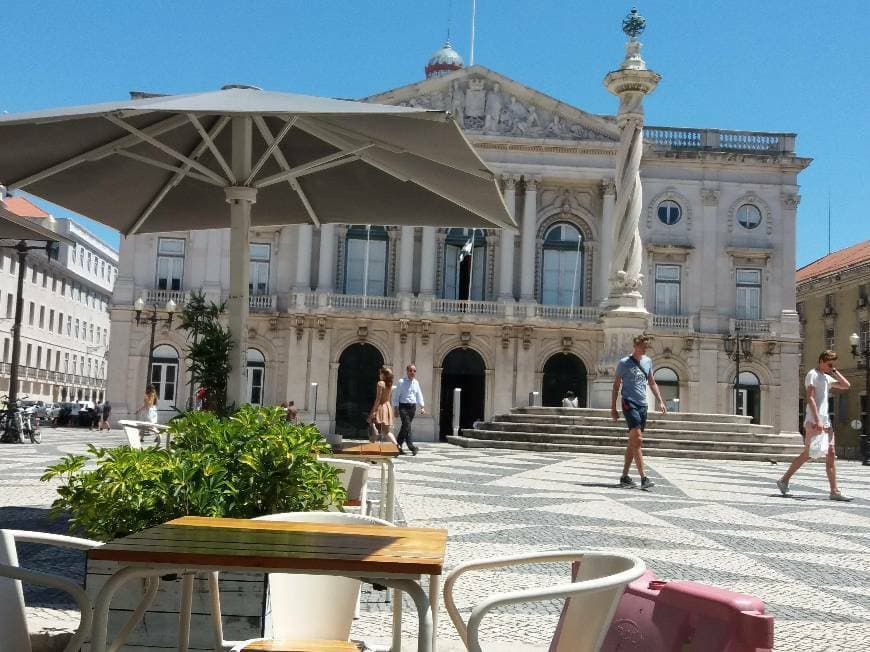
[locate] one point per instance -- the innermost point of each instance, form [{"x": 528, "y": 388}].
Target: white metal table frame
[
  {"x": 387, "y": 506},
  {"x": 427, "y": 607}
]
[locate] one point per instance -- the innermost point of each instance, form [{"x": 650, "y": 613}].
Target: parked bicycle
[{"x": 18, "y": 423}]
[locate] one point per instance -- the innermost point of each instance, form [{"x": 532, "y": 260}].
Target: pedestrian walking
[
  {"x": 633, "y": 376},
  {"x": 407, "y": 398},
  {"x": 149, "y": 404},
  {"x": 106, "y": 413},
  {"x": 381, "y": 416},
  {"x": 817, "y": 423},
  {"x": 570, "y": 400}
]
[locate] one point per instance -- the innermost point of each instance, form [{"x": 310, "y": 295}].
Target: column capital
[
  {"x": 510, "y": 181},
  {"x": 532, "y": 181},
  {"x": 710, "y": 196},
  {"x": 790, "y": 201},
  {"x": 608, "y": 187}
]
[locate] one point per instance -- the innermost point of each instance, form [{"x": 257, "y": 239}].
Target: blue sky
[{"x": 796, "y": 66}]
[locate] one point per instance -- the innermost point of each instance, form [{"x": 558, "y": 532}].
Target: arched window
[
  {"x": 256, "y": 376},
  {"x": 748, "y": 398},
  {"x": 164, "y": 375},
  {"x": 669, "y": 386},
  {"x": 562, "y": 269},
  {"x": 464, "y": 264},
  {"x": 669, "y": 212},
  {"x": 365, "y": 261}
]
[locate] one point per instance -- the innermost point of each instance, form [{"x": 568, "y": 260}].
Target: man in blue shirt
[
  {"x": 633, "y": 375},
  {"x": 406, "y": 398}
]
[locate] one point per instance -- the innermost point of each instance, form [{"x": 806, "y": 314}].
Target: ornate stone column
[
  {"x": 427, "y": 262},
  {"x": 605, "y": 254},
  {"x": 527, "y": 261},
  {"x": 708, "y": 315},
  {"x": 406, "y": 261},
  {"x": 326, "y": 267},
  {"x": 624, "y": 314},
  {"x": 506, "y": 246},
  {"x": 303, "y": 262}
]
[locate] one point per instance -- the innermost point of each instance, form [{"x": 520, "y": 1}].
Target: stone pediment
[{"x": 489, "y": 104}]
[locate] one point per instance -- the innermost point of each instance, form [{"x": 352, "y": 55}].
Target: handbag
[
  {"x": 374, "y": 435},
  {"x": 819, "y": 445}
]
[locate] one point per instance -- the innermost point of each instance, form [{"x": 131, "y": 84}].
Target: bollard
[
  {"x": 314, "y": 403},
  {"x": 457, "y": 395}
]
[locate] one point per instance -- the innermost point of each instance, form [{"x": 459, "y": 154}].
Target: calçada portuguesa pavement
[{"x": 721, "y": 523}]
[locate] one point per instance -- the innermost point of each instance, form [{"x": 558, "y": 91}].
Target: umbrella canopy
[
  {"x": 171, "y": 163},
  {"x": 162, "y": 163}
]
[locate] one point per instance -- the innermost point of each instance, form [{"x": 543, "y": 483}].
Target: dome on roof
[{"x": 444, "y": 61}]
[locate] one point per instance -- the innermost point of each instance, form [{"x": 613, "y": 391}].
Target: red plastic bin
[{"x": 656, "y": 616}]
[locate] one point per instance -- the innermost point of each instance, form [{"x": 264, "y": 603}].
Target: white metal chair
[
  {"x": 305, "y": 608},
  {"x": 137, "y": 431},
  {"x": 354, "y": 478},
  {"x": 593, "y": 596},
  {"x": 14, "y": 634}
]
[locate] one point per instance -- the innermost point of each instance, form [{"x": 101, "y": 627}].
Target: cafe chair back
[
  {"x": 303, "y": 607},
  {"x": 354, "y": 476},
  {"x": 134, "y": 437},
  {"x": 594, "y": 595},
  {"x": 14, "y": 634}
]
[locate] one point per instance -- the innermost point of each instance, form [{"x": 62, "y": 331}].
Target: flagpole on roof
[
  {"x": 471, "y": 268},
  {"x": 473, "y": 21}
]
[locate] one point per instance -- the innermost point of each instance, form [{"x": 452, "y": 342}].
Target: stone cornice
[
  {"x": 749, "y": 253},
  {"x": 841, "y": 278},
  {"x": 779, "y": 162}
]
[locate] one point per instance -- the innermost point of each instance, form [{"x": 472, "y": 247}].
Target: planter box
[{"x": 242, "y": 600}]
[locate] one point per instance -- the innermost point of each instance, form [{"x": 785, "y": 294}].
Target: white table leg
[
  {"x": 391, "y": 491},
  {"x": 397, "y": 621},
  {"x": 184, "y": 611},
  {"x": 382, "y": 506},
  {"x": 434, "y": 594},
  {"x": 424, "y": 614}
]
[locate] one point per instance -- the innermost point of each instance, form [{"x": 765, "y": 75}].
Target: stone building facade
[
  {"x": 501, "y": 315},
  {"x": 833, "y": 301},
  {"x": 65, "y": 330}
]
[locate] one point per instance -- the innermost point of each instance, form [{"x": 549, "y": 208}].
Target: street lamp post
[
  {"x": 863, "y": 352},
  {"x": 152, "y": 317},
  {"x": 737, "y": 347}
]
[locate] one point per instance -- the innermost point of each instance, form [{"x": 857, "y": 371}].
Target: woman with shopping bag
[{"x": 818, "y": 431}]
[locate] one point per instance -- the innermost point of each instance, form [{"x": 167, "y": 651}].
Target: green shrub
[{"x": 248, "y": 465}]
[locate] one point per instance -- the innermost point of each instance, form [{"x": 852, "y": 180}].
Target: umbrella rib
[
  {"x": 167, "y": 149},
  {"x": 99, "y": 152},
  {"x": 271, "y": 148},
  {"x": 166, "y": 166},
  {"x": 325, "y": 162},
  {"x": 212, "y": 147},
  {"x": 295, "y": 185},
  {"x": 346, "y": 135},
  {"x": 176, "y": 179}
]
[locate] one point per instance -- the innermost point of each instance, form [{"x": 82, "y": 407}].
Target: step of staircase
[{"x": 583, "y": 430}]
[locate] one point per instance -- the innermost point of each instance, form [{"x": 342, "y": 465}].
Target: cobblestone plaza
[{"x": 713, "y": 522}]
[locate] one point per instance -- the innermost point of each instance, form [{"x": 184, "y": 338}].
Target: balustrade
[
  {"x": 751, "y": 326},
  {"x": 262, "y": 302},
  {"x": 571, "y": 313},
  {"x": 160, "y": 297},
  {"x": 737, "y": 141},
  {"x": 672, "y": 322}
]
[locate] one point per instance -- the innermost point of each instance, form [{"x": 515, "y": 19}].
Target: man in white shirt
[
  {"x": 406, "y": 398},
  {"x": 819, "y": 382}
]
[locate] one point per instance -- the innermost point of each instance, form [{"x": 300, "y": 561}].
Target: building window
[
  {"x": 10, "y": 305},
  {"x": 669, "y": 212},
  {"x": 261, "y": 255},
  {"x": 60, "y": 323},
  {"x": 829, "y": 339},
  {"x": 170, "y": 263},
  {"x": 33, "y": 275},
  {"x": 77, "y": 328},
  {"x": 38, "y": 357},
  {"x": 54, "y": 283},
  {"x": 51, "y": 320},
  {"x": 6, "y": 350},
  {"x": 69, "y": 326},
  {"x": 256, "y": 376},
  {"x": 748, "y": 216},
  {"x": 464, "y": 264},
  {"x": 42, "y": 316},
  {"x": 45, "y": 279},
  {"x": 669, "y": 386},
  {"x": 31, "y": 313},
  {"x": 48, "y": 359},
  {"x": 89, "y": 261},
  {"x": 748, "y": 294},
  {"x": 66, "y": 363},
  {"x": 2, "y": 262},
  {"x": 365, "y": 267},
  {"x": 667, "y": 290},
  {"x": 57, "y": 361},
  {"x": 864, "y": 334},
  {"x": 29, "y": 353},
  {"x": 562, "y": 266}
]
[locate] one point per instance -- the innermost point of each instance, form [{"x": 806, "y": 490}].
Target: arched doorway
[
  {"x": 669, "y": 387},
  {"x": 563, "y": 372},
  {"x": 357, "y": 381},
  {"x": 256, "y": 376},
  {"x": 164, "y": 375},
  {"x": 748, "y": 399},
  {"x": 463, "y": 368}
]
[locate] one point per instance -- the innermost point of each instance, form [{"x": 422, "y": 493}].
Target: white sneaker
[
  {"x": 836, "y": 495},
  {"x": 783, "y": 487}
]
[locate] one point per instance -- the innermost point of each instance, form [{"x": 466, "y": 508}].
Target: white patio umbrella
[{"x": 170, "y": 163}]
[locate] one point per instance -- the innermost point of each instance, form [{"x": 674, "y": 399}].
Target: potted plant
[{"x": 247, "y": 465}]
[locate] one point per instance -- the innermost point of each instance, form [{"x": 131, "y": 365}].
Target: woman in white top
[
  {"x": 149, "y": 404},
  {"x": 819, "y": 382},
  {"x": 570, "y": 400}
]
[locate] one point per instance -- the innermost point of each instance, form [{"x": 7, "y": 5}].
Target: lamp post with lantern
[
  {"x": 861, "y": 350},
  {"x": 153, "y": 317},
  {"x": 736, "y": 347}
]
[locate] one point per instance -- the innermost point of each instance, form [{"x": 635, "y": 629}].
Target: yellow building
[{"x": 833, "y": 301}]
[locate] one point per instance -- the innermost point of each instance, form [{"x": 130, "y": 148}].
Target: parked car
[
  {"x": 86, "y": 414},
  {"x": 69, "y": 414}
]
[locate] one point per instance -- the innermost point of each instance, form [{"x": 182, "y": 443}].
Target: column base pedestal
[{"x": 624, "y": 318}]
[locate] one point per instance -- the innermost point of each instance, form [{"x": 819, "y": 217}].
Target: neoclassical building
[{"x": 501, "y": 315}]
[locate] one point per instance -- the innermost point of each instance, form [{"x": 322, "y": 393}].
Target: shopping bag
[{"x": 819, "y": 445}]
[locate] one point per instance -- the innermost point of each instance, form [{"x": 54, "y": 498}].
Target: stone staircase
[{"x": 677, "y": 434}]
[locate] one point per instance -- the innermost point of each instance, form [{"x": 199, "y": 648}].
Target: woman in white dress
[{"x": 149, "y": 404}]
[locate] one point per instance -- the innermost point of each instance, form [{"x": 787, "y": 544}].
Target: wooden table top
[
  {"x": 367, "y": 449},
  {"x": 231, "y": 543}
]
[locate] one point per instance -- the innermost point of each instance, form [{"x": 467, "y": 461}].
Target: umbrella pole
[{"x": 240, "y": 199}]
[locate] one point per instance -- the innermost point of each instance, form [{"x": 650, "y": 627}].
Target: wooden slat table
[
  {"x": 382, "y": 453},
  {"x": 396, "y": 557}
]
